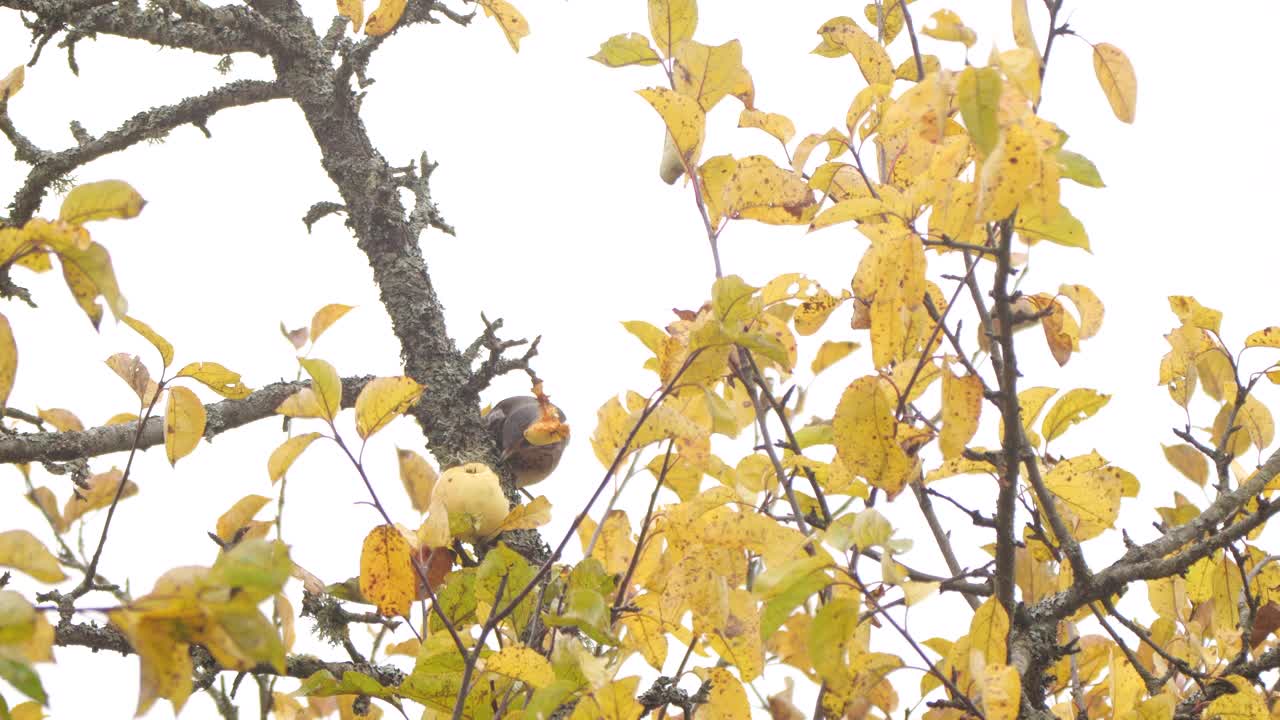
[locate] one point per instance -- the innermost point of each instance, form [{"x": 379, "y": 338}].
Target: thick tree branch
[
  {"x": 218, "y": 31},
  {"x": 96, "y": 637},
  {"x": 222, "y": 416},
  {"x": 47, "y": 167}
]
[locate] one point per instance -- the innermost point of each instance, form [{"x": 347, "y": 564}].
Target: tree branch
[
  {"x": 222, "y": 416},
  {"x": 50, "y": 166}
]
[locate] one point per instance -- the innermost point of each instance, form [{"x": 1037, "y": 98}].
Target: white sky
[{"x": 548, "y": 169}]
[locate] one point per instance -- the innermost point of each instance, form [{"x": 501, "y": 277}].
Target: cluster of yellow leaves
[
  {"x": 388, "y": 14},
  {"x": 216, "y": 607}
]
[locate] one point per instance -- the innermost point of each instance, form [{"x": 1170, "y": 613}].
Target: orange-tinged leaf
[
  {"x": 830, "y": 353},
  {"x": 132, "y": 371},
  {"x": 418, "y": 478},
  {"x": 513, "y": 24},
  {"x": 521, "y": 663},
  {"x": 352, "y": 10},
  {"x": 842, "y": 35},
  {"x": 685, "y": 121},
  {"x": 760, "y": 190},
  {"x": 164, "y": 347},
  {"x": 99, "y": 201},
  {"x": 708, "y": 73},
  {"x": 63, "y": 420},
  {"x": 217, "y": 378},
  {"x": 1074, "y": 407},
  {"x": 865, "y": 436},
  {"x": 989, "y": 632},
  {"x": 961, "y": 408},
  {"x": 387, "y": 578},
  {"x": 383, "y": 400},
  {"x": 121, "y": 418},
  {"x": 978, "y": 95},
  {"x": 184, "y": 421},
  {"x": 44, "y": 499},
  {"x": 1022, "y": 33},
  {"x": 779, "y": 126},
  {"x": 8, "y": 360},
  {"x": 297, "y": 337},
  {"x": 672, "y": 21},
  {"x": 1118, "y": 81},
  {"x": 239, "y": 515},
  {"x": 385, "y": 17},
  {"x": 102, "y": 490},
  {"x": 21, "y": 551},
  {"x": 1266, "y": 337},
  {"x": 1001, "y": 692},
  {"x": 626, "y": 49},
  {"x": 10, "y": 84},
  {"x": 948, "y": 26},
  {"x": 327, "y": 316},
  {"x": 1188, "y": 461},
  {"x": 282, "y": 457}
]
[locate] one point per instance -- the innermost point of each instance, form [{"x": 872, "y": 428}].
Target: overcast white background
[{"x": 548, "y": 170}]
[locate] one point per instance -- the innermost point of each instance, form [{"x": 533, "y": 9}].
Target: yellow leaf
[
  {"x": 989, "y": 632},
  {"x": 1266, "y": 337},
  {"x": 352, "y": 10},
  {"x": 326, "y": 385},
  {"x": 1192, "y": 313},
  {"x": 1022, "y": 33},
  {"x": 908, "y": 71},
  {"x": 779, "y": 126},
  {"x": 1072, "y": 408},
  {"x": 684, "y": 119},
  {"x": 533, "y": 514},
  {"x": 184, "y": 421},
  {"x": 21, "y": 550},
  {"x": 8, "y": 360},
  {"x": 63, "y": 420},
  {"x": 325, "y": 317},
  {"x": 760, "y": 190},
  {"x": 521, "y": 663},
  {"x": 864, "y": 432},
  {"x": 383, "y": 400},
  {"x": 217, "y": 378},
  {"x": 891, "y": 275},
  {"x": 1257, "y": 422},
  {"x": 418, "y": 478},
  {"x": 858, "y": 208},
  {"x": 1008, "y": 174},
  {"x": 830, "y": 353},
  {"x": 513, "y": 24},
  {"x": 842, "y": 35},
  {"x": 978, "y": 95},
  {"x": 1059, "y": 227},
  {"x": 672, "y": 21},
  {"x": 1246, "y": 703},
  {"x": 614, "y": 700},
  {"x": 387, "y": 578},
  {"x": 1090, "y": 490},
  {"x": 99, "y": 201},
  {"x": 89, "y": 274},
  {"x": 727, "y": 699},
  {"x": 385, "y": 17},
  {"x": 708, "y": 73},
  {"x": 1118, "y": 81},
  {"x": 913, "y": 592},
  {"x": 1188, "y": 461},
  {"x": 282, "y": 457},
  {"x": 10, "y": 84},
  {"x": 29, "y": 710},
  {"x": 132, "y": 371},
  {"x": 886, "y": 18},
  {"x": 1088, "y": 307},
  {"x": 239, "y": 515},
  {"x": 1001, "y": 692},
  {"x": 160, "y": 344},
  {"x": 961, "y": 408},
  {"x": 615, "y": 543},
  {"x": 948, "y": 26},
  {"x": 626, "y": 49},
  {"x": 1022, "y": 66}
]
